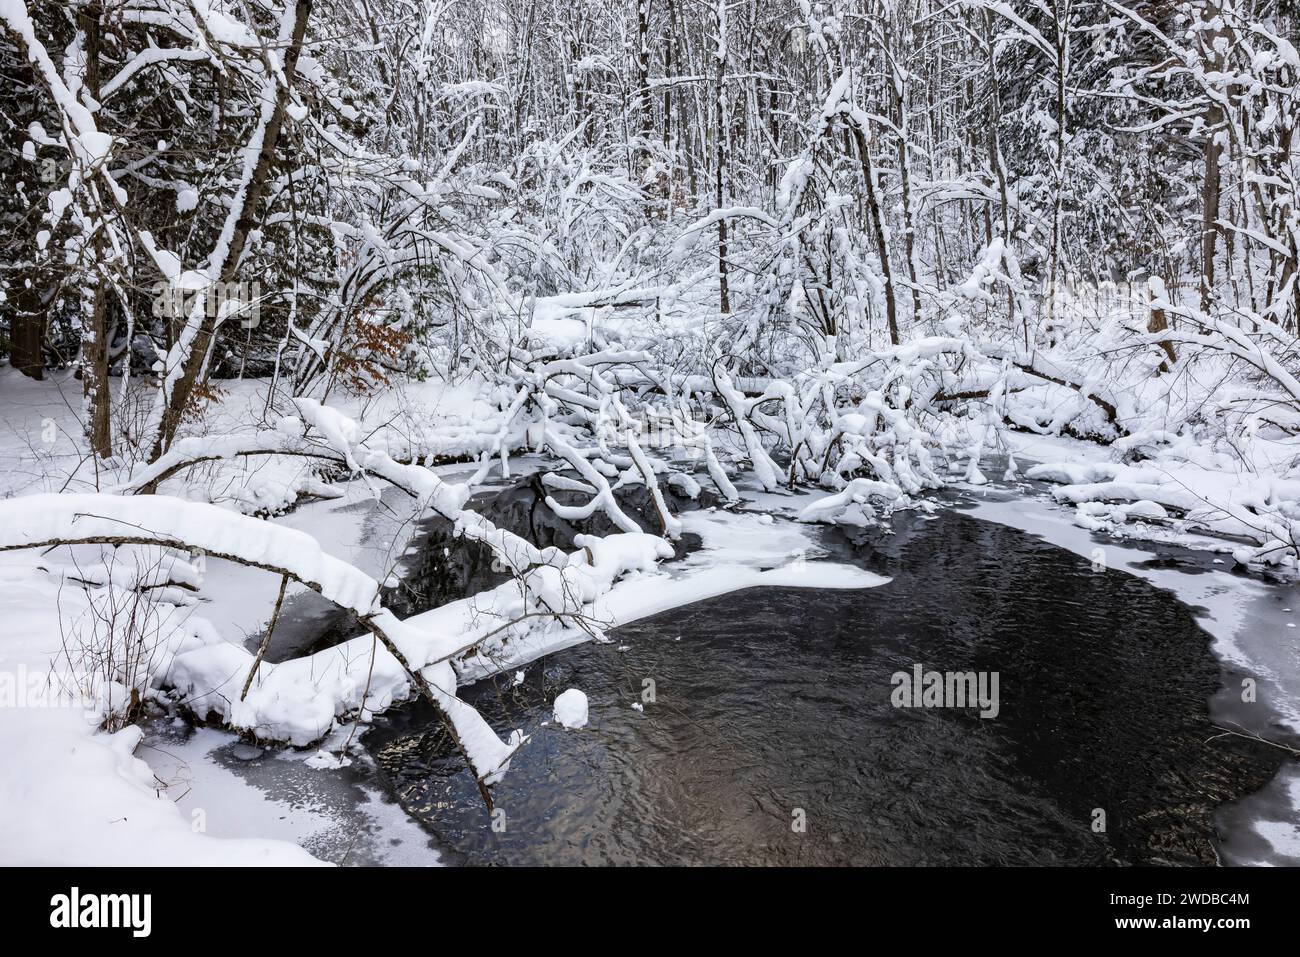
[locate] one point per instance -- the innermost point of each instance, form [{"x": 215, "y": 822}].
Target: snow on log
[{"x": 857, "y": 492}]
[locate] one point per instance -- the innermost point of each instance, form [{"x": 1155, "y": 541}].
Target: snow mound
[{"x": 571, "y": 709}]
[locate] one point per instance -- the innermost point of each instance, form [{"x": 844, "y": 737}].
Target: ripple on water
[{"x": 774, "y": 705}]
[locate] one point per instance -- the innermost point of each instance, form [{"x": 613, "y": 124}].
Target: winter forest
[{"x": 462, "y": 408}]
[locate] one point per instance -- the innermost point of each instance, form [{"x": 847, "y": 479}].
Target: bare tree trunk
[
  {"x": 723, "y": 133},
  {"x": 656, "y": 191},
  {"x": 1061, "y": 15},
  {"x": 645, "y": 101},
  {"x": 999, "y": 167},
  {"x": 27, "y": 328},
  {"x": 898, "y": 85},
  {"x": 94, "y": 332},
  {"x": 1158, "y": 322},
  {"x": 878, "y": 228},
  {"x": 1210, "y": 191},
  {"x": 670, "y": 63}
]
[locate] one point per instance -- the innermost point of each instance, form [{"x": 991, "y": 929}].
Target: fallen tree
[{"x": 50, "y": 521}]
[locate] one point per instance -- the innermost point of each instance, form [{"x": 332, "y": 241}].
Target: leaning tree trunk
[
  {"x": 878, "y": 228},
  {"x": 195, "y": 361}
]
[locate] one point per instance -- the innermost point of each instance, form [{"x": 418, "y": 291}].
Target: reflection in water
[{"x": 774, "y": 704}]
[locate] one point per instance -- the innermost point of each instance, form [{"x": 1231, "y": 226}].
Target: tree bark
[
  {"x": 878, "y": 228},
  {"x": 1211, "y": 188},
  {"x": 25, "y": 308},
  {"x": 94, "y": 333},
  {"x": 724, "y": 290},
  {"x": 27, "y": 327},
  {"x": 1158, "y": 322},
  {"x": 898, "y": 85},
  {"x": 1061, "y": 16}
]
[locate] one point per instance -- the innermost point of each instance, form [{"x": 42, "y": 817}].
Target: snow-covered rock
[{"x": 571, "y": 709}]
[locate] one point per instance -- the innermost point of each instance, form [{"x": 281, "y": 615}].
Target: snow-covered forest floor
[{"x": 307, "y": 307}]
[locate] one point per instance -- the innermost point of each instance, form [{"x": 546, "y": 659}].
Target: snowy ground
[{"x": 72, "y": 795}]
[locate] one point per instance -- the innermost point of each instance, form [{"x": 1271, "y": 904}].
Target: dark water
[
  {"x": 773, "y": 706},
  {"x": 449, "y": 567}
]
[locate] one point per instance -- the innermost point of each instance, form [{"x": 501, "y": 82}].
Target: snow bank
[
  {"x": 1186, "y": 495},
  {"x": 71, "y": 795}
]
